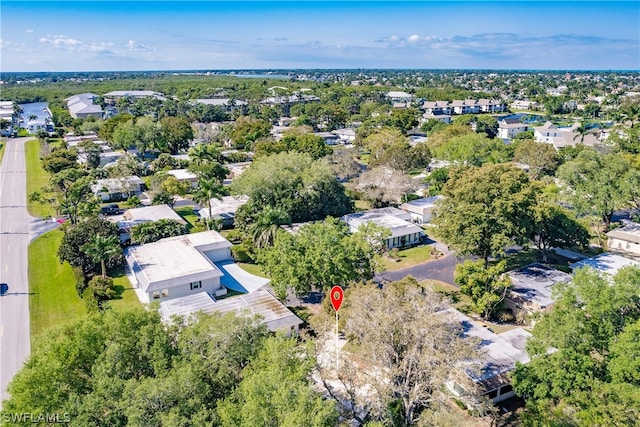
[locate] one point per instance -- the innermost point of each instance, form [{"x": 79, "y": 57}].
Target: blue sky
[{"x": 187, "y": 35}]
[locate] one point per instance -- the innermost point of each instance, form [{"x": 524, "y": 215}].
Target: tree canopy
[
  {"x": 322, "y": 255},
  {"x": 584, "y": 354},
  {"x": 293, "y": 182},
  {"x": 485, "y": 209}
]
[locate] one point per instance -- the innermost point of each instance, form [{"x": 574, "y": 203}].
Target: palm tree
[
  {"x": 102, "y": 248},
  {"x": 204, "y": 153},
  {"x": 208, "y": 189},
  {"x": 263, "y": 231},
  {"x": 33, "y": 117},
  {"x": 581, "y": 131}
]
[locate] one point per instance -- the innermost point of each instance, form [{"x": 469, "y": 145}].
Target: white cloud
[
  {"x": 134, "y": 45},
  {"x": 59, "y": 40},
  {"x": 414, "y": 38},
  {"x": 29, "y": 30}
]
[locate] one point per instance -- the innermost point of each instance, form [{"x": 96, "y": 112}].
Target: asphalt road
[{"x": 14, "y": 241}]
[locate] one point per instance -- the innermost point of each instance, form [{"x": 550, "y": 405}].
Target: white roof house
[
  {"x": 501, "y": 352},
  {"x": 118, "y": 188},
  {"x": 399, "y": 96},
  {"x": 184, "y": 175},
  {"x": 274, "y": 314},
  {"x": 222, "y": 102},
  {"x": 224, "y": 208},
  {"x": 421, "y": 209},
  {"x": 607, "y": 263},
  {"x": 135, "y": 216},
  {"x": 403, "y": 232},
  {"x": 563, "y": 137},
  {"x": 82, "y": 106},
  {"x": 625, "y": 239}
]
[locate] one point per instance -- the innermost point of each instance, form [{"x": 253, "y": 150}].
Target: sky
[{"x": 221, "y": 35}]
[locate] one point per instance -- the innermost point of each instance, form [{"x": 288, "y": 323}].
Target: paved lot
[{"x": 440, "y": 269}]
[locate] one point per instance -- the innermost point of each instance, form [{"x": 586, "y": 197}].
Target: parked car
[{"x": 112, "y": 209}]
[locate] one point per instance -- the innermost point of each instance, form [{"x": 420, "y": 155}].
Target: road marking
[
  {"x": 1, "y": 330},
  {"x": 6, "y": 268}
]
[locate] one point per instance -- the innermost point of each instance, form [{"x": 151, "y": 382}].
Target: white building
[
  {"x": 507, "y": 130},
  {"x": 178, "y": 266},
  {"x": 403, "y": 232},
  {"x": 114, "y": 189},
  {"x": 184, "y": 176},
  {"x": 224, "y": 208},
  {"x": 625, "y": 239},
  {"x": 421, "y": 209},
  {"x": 606, "y": 263},
  {"x": 81, "y": 106},
  {"x": 346, "y": 135},
  {"x": 135, "y": 216}
]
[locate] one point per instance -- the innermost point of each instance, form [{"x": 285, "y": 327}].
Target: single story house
[
  {"x": 328, "y": 137},
  {"x": 224, "y": 208},
  {"x": 115, "y": 189},
  {"x": 184, "y": 176},
  {"x": 274, "y": 314},
  {"x": 236, "y": 169},
  {"x": 135, "y": 216},
  {"x": 501, "y": 351},
  {"x": 421, "y": 209},
  {"x": 403, "y": 232},
  {"x": 345, "y": 135},
  {"x": 625, "y": 239},
  {"x": 531, "y": 292},
  {"x": 606, "y": 263},
  {"x": 178, "y": 266}
]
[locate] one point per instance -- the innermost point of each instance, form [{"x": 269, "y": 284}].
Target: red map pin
[{"x": 336, "y": 297}]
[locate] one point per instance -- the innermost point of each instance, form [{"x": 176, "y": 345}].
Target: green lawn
[
  {"x": 37, "y": 178},
  {"x": 188, "y": 215},
  {"x": 408, "y": 257},
  {"x": 54, "y": 299},
  {"x": 254, "y": 269}
]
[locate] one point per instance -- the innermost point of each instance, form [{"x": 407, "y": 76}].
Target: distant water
[{"x": 259, "y": 76}]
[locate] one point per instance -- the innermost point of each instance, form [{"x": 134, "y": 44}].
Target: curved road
[{"x": 14, "y": 241}]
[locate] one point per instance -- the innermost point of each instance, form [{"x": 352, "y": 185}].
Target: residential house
[
  {"x": 273, "y": 313},
  {"x": 236, "y": 169},
  {"x": 532, "y": 289},
  {"x": 328, "y": 137},
  {"x": 524, "y": 105},
  {"x": 115, "y": 189},
  {"x": 403, "y": 232},
  {"x": 438, "y": 107},
  {"x": 345, "y": 135},
  {"x": 500, "y": 354},
  {"x": 444, "y": 118},
  {"x": 625, "y": 239},
  {"x": 81, "y": 106},
  {"x": 184, "y": 176},
  {"x": 224, "y": 209},
  {"x": 508, "y": 129},
  {"x": 606, "y": 263},
  {"x": 563, "y": 137},
  {"x": 135, "y": 216},
  {"x": 421, "y": 209},
  {"x": 399, "y": 96},
  {"x": 178, "y": 266}
]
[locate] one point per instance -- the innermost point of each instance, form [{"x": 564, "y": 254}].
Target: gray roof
[
  {"x": 630, "y": 232},
  {"x": 535, "y": 281},
  {"x": 607, "y": 263},
  {"x": 422, "y": 204},
  {"x": 274, "y": 314},
  {"x": 502, "y": 351},
  {"x": 153, "y": 213},
  {"x": 391, "y": 218}
]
